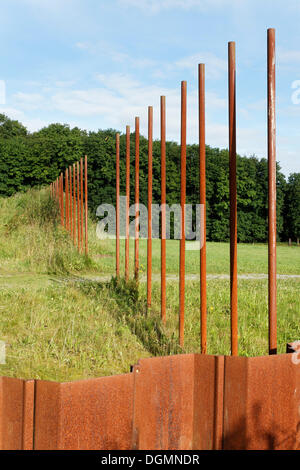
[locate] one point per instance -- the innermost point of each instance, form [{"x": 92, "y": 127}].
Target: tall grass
[
  {"x": 31, "y": 238},
  {"x": 60, "y": 328}
]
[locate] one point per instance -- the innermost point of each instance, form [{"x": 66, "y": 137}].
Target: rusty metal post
[
  {"x": 59, "y": 196},
  {"x": 67, "y": 200},
  {"x": 86, "y": 203},
  {"x": 117, "y": 205},
  {"x": 71, "y": 197},
  {"x": 81, "y": 204},
  {"x": 149, "y": 241},
  {"x": 163, "y": 206},
  {"x": 78, "y": 208},
  {"x": 233, "y": 197},
  {"x": 62, "y": 200},
  {"x": 182, "y": 203},
  {"x": 272, "y": 194},
  {"x": 137, "y": 196},
  {"x": 202, "y": 166},
  {"x": 74, "y": 205},
  {"x": 127, "y": 202}
]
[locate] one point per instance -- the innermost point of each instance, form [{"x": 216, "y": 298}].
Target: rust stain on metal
[
  {"x": 71, "y": 203},
  {"x": 163, "y": 403},
  {"x": 177, "y": 402},
  {"x": 28, "y": 414},
  {"x": 67, "y": 199},
  {"x": 272, "y": 195},
  {"x": 86, "y": 203},
  {"x": 74, "y": 205},
  {"x": 78, "y": 207},
  {"x": 137, "y": 197},
  {"x": 81, "y": 204},
  {"x": 233, "y": 197},
  {"x": 261, "y": 403},
  {"x": 90, "y": 414},
  {"x": 182, "y": 204},
  {"x": 62, "y": 199},
  {"x": 208, "y": 402},
  {"x": 11, "y": 413},
  {"x": 117, "y": 204},
  {"x": 163, "y": 205},
  {"x": 149, "y": 241},
  {"x": 202, "y": 166},
  {"x": 127, "y": 202}
]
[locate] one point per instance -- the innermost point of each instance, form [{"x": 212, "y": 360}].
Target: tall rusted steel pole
[
  {"x": 71, "y": 204},
  {"x": 272, "y": 194},
  {"x": 78, "y": 207},
  {"x": 137, "y": 197},
  {"x": 233, "y": 197},
  {"x": 127, "y": 202},
  {"x": 202, "y": 166},
  {"x": 86, "y": 203},
  {"x": 74, "y": 205},
  {"x": 182, "y": 203},
  {"x": 117, "y": 205},
  {"x": 81, "y": 204},
  {"x": 67, "y": 200},
  {"x": 149, "y": 241},
  {"x": 163, "y": 206},
  {"x": 59, "y": 195},
  {"x": 62, "y": 200}
]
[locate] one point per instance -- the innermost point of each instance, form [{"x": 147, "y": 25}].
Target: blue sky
[{"x": 98, "y": 64}]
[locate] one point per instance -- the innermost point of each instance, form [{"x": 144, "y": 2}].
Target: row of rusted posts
[
  {"x": 202, "y": 201},
  {"x": 70, "y": 191}
]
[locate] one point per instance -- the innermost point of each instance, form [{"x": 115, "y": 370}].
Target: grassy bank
[{"x": 57, "y": 326}]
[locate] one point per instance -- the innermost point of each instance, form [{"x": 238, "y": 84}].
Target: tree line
[{"x": 36, "y": 159}]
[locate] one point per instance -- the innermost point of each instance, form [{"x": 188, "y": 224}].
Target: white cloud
[
  {"x": 13, "y": 113},
  {"x": 116, "y": 56},
  {"x": 285, "y": 56},
  {"x": 155, "y": 6},
  {"x": 121, "y": 98},
  {"x": 32, "y": 124},
  {"x": 214, "y": 66},
  {"x": 53, "y": 5},
  {"x": 28, "y": 101}
]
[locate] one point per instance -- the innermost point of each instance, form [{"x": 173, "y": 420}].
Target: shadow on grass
[{"x": 144, "y": 323}]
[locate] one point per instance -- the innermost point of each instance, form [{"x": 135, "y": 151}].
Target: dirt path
[
  {"x": 36, "y": 281},
  {"x": 196, "y": 277}
]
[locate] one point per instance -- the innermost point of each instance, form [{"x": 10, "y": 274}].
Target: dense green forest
[{"x": 35, "y": 159}]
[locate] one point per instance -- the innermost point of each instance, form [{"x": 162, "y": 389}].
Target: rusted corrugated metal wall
[{"x": 176, "y": 402}]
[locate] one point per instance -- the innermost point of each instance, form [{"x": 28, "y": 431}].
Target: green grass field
[{"x": 57, "y": 326}]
